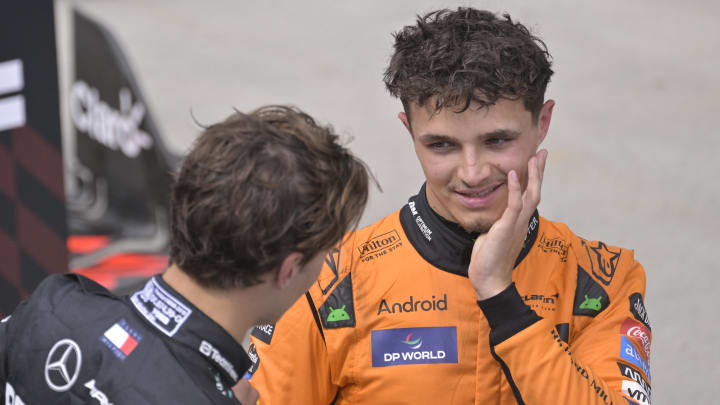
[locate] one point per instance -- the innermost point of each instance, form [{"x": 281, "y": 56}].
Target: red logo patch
[{"x": 639, "y": 334}]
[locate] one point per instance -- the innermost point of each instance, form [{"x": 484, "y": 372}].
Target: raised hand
[{"x": 495, "y": 252}]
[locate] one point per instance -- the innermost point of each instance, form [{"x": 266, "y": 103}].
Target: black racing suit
[{"x": 73, "y": 342}]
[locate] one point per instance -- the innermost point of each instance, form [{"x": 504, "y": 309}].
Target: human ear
[
  {"x": 289, "y": 267},
  {"x": 404, "y": 118},
  {"x": 544, "y": 120}
]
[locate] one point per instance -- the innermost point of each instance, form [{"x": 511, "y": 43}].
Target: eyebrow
[{"x": 498, "y": 133}]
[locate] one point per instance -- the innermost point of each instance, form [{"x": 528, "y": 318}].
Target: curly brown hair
[
  {"x": 468, "y": 56},
  {"x": 255, "y": 188}
]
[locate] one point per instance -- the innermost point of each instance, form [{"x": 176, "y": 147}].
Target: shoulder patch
[
  {"x": 590, "y": 297},
  {"x": 637, "y": 307},
  {"x": 603, "y": 260},
  {"x": 264, "y": 332},
  {"x": 338, "y": 311}
]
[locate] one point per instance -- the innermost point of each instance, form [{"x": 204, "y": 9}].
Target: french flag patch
[{"x": 121, "y": 339}]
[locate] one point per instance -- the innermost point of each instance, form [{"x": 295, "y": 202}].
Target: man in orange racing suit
[{"x": 466, "y": 295}]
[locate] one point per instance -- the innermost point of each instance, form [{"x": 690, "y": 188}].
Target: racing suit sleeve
[
  {"x": 293, "y": 363},
  {"x": 542, "y": 369}
]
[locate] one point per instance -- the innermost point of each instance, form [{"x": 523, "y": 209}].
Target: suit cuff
[{"x": 507, "y": 314}]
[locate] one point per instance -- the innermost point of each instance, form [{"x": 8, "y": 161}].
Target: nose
[{"x": 473, "y": 170}]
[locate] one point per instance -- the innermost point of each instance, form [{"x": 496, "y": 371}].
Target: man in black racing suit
[{"x": 250, "y": 227}]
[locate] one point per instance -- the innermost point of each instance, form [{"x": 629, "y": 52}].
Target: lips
[{"x": 482, "y": 198}]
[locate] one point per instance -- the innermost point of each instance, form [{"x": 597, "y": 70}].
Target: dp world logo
[
  {"x": 62, "y": 366},
  {"x": 393, "y": 347},
  {"x": 413, "y": 344}
]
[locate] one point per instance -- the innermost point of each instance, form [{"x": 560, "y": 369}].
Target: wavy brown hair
[
  {"x": 464, "y": 56},
  {"x": 255, "y": 188}
]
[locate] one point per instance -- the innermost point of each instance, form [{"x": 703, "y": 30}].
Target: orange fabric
[{"x": 299, "y": 367}]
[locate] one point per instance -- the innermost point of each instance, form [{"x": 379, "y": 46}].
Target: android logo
[
  {"x": 338, "y": 315},
  {"x": 592, "y": 303}
]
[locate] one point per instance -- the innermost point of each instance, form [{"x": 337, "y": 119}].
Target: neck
[{"x": 228, "y": 308}]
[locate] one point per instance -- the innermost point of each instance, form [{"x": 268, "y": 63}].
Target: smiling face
[{"x": 467, "y": 156}]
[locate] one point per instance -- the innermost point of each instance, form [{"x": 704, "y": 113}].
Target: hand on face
[{"x": 495, "y": 252}]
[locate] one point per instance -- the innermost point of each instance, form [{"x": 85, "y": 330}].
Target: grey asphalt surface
[{"x": 633, "y": 142}]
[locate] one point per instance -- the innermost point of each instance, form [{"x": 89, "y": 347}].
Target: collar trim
[
  {"x": 441, "y": 245},
  {"x": 179, "y": 320}
]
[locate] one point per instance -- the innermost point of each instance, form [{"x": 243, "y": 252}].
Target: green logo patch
[
  {"x": 592, "y": 303},
  {"x": 337, "y": 315},
  {"x": 338, "y": 310},
  {"x": 590, "y": 297}
]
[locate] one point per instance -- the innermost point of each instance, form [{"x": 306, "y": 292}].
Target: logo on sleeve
[
  {"x": 264, "y": 332},
  {"x": 630, "y": 372},
  {"x": 338, "y": 311},
  {"x": 590, "y": 297},
  {"x": 638, "y": 333},
  {"x": 629, "y": 354},
  {"x": 393, "y": 347},
  {"x": 121, "y": 339},
  {"x": 337, "y": 315},
  {"x": 635, "y": 391},
  {"x": 638, "y": 309},
  {"x": 255, "y": 359},
  {"x": 603, "y": 260},
  {"x": 594, "y": 304}
]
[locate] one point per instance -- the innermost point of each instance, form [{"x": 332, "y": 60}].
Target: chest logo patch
[{"x": 393, "y": 347}]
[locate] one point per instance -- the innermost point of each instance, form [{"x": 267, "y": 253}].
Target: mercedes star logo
[{"x": 62, "y": 366}]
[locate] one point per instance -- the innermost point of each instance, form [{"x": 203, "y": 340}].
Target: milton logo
[
  {"x": 378, "y": 243},
  {"x": 431, "y": 345},
  {"x": 413, "y": 305}
]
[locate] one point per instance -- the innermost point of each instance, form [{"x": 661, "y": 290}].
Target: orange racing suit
[{"x": 393, "y": 319}]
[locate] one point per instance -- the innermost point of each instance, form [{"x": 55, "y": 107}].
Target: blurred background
[{"x": 633, "y": 141}]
